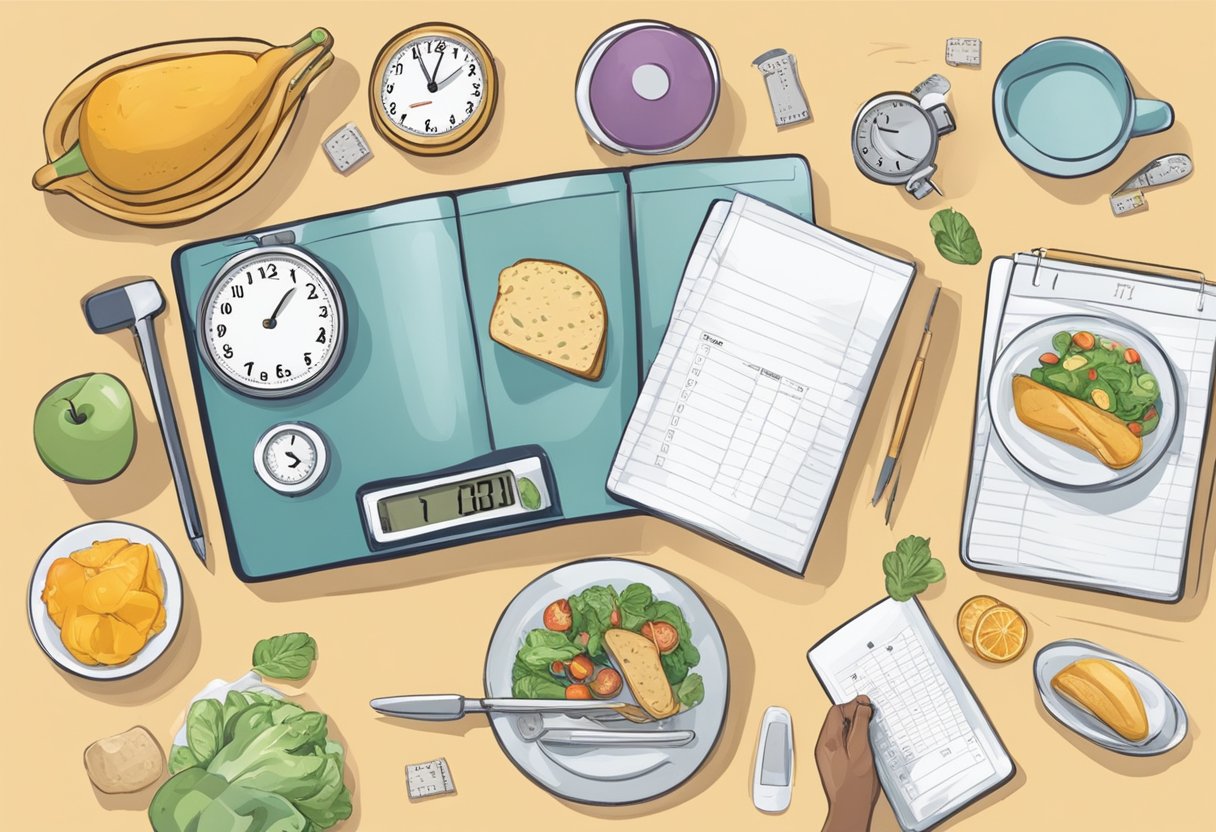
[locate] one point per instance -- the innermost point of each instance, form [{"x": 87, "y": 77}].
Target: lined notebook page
[
  {"x": 1131, "y": 539},
  {"x": 745, "y": 416},
  {"x": 934, "y": 749}
]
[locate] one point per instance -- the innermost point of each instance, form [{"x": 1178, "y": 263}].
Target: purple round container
[{"x": 653, "y": 89}]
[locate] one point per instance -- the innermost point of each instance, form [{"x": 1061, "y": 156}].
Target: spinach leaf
[
  {"x": 674, "y": 667},
  {"x": 528, "y": 682},
  {"x": 955, "y": 238},
  {"x": 205, "y": 729},
  {"x": 911, "y": 568},
  {"x": 542, "y": 648},
  {"x": 634, "y": 600},
  {"x": 287, "y": 656},
  {"x": 691, "y": 692},
  {"x": 181, "y": 758},
  {"x": 592, "y": 609}
]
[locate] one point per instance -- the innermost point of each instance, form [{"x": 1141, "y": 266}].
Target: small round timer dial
[{"x": 291, "y": 458}]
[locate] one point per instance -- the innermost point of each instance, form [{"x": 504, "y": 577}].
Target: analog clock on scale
[{"x": 433, "y": 89}]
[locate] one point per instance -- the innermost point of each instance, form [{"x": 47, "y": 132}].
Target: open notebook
[
  {"x": 934, "y": 748},
  {"x": 743, "y": 422},
  {"x": 1131, "y": 539}
]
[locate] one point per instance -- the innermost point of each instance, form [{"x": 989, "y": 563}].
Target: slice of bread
[
  {"x": 638, "y": 660},
  {"x": 1075, "y": 422},
  {"x": 553, "y": 313}
]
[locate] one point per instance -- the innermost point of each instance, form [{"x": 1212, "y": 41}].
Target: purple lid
[{"x": 653, "y": 89}]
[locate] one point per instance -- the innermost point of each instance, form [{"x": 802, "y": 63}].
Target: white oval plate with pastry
[
  {"x": 601, "y": 774},
  {"x": 1058, "y": 462},
  {"x": 1164, "y": 720}
]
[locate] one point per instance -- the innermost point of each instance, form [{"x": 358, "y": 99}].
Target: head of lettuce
[{"x": 252, "y": 763}]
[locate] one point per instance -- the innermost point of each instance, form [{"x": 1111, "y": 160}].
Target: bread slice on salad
[
  {"x": 554, "y": 313},
  {"x": 638, "y": 659}
]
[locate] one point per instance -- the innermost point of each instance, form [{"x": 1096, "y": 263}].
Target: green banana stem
[
  {"x": 314, "y": 38},
  {"x": 71, "y": 163}
]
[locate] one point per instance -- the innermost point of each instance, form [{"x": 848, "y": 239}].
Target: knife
[
  {"x": 906, "y": 404},
  {"x": 449, "y": 706},
  {"x": 591, "y": 736}
]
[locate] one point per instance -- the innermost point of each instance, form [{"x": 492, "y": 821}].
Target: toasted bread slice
[
  {"x": 553, "y": 313},
  {"x": 1075, "y": 422},
  {"x": 638, "y": 659},
  {"x": 1103, "y": 689}
]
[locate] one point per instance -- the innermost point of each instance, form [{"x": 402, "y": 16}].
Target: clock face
[
  {"x": 290, "y": 457},
  {"x": 433, "y": 85},
  {"x": 272, "y": 323},
  {"x": 893, "y": 138}
]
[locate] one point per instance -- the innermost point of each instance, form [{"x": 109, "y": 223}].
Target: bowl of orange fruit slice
[
  {"x": 105, "y": 600},
  {"x": 995, "y": 631}
]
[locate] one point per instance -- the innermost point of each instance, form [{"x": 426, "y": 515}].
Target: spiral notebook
[
  {"x": 1129, "y": 540},
  {"x": 747, "y": 413}
]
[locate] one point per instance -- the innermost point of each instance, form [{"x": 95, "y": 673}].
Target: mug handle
[{"x": 1152, "y": 116}]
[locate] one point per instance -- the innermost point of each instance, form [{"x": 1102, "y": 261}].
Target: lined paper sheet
[
  {"x": 1131, "y": 539},
  {"x": 934, "y": 748},
  {"x": 742, "y": 425}
]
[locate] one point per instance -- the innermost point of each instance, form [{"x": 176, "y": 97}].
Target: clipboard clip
[{"x": 1153, "y": 270}]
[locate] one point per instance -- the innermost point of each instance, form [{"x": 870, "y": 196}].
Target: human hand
[{"x": 846, "y": 766}]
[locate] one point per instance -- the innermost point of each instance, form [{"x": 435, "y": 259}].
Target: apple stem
[{"x": 77, "y": 417}]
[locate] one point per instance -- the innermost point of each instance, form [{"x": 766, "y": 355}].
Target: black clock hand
[
  {"x": 433, "y": 87},
  {"x": 295, "y": 464},
  {"x": 906, "y": 156},
  {"x": 272, "y": 321},
  {"x": 887, "y": 130},
  {"x": 430, "y": 82},
  {"x": 453, "y": 74}
]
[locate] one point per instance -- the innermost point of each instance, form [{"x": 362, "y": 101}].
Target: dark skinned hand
[{"x": 846, "y": 766}]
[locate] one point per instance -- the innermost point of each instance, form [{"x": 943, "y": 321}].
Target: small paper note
[
  {"x": 347, "y": 149},
  {"x": 1126, "y": 203},
  {"x": 963, "y": 51}
]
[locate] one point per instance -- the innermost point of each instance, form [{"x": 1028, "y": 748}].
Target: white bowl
[{"x": 47, "y": 632}]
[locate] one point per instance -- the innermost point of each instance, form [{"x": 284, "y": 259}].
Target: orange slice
[
  {"x": 970, "y": 612},
  {"x": 1000, "y": 634}
]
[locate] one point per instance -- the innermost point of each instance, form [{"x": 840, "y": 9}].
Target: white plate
[
  {"x": 1167, "y": 722},
  {"x": 1052, "y": 460},
  {"x": 81, "y": 537},
  {"x": 609, "y": 776}
]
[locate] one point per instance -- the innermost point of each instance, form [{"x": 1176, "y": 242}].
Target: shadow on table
[{"x": 1125, "y": 764}]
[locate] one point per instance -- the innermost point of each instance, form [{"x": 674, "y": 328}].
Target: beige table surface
[{"x": 366, "y": 618}]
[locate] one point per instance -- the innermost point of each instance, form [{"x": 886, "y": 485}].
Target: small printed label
[
  {"x": 963, "y": 51},
  {"x": 1122, "y": 204},
  {"x": 347, "y": 148},
  {"x": 429, "y": 779}
]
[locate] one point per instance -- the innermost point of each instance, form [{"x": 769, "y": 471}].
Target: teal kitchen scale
[{"x": 353, "y": 403}]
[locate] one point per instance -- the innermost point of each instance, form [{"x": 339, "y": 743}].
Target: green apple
[{"x": 84, "y": 429}]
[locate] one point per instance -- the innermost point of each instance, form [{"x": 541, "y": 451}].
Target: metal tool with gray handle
[
  {"x": 133, "y": 306},
  {"x": 532, "y": 728},
  {"x": 448, "y": 706}
]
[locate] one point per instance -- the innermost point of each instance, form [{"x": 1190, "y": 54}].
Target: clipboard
[{"x": 1040, "y": 512}]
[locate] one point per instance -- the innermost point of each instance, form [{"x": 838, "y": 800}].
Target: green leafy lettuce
[
  {"x": 955, "y": 238},
  {"x": 530, "y": 675},
  {"x": 287, "y": 656},
  {"x": 911, "y": 568},
  {"x": 253, "y": 763}
]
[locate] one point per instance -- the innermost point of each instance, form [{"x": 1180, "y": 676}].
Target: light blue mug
[{"x": 1065, "y": 107}]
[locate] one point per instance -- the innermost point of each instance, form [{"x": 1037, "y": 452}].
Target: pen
[{"x": 907, "y": 403}]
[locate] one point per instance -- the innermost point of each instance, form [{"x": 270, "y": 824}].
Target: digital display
[
  {"x": 452, "y": 501},
  {"x": 775, "y": 765}
]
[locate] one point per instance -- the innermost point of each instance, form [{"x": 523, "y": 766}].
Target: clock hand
[
  {"x": 433, "y": 86},
  {"x": 430, "y": 82},
  {"x": 887, "y": 130},
  {"x": 906, "y": 156},
  {"x": 445, "y": 81},
  {"x": 295, "y": 464},
  {"x": 272, "y": 321}
]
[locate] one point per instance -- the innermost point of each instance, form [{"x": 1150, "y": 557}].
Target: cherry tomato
[
  {"x": 558, "y": 616},
  {"x": 1151, "y": 413},
  {"x": 1084, "y": 340},
  {"x": 578, "y": 692},
  {"x": 582, "y": 638},
  {"x": 664, "y": 636},
  {"x": 1131, "y": 356},
  {"x": 557, "y": 668},
  {"x": 615, "y": 618},
  {"x": 1093, "y": 374},
  {"x": 1135, "y": 428},
  {"x": 580, "y": 669},
  {"x": 606, "y": 684},
  {"x": 1049, "y": 358}
]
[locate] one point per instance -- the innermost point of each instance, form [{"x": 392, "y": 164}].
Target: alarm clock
[
  {"x": 272, "y": 322},
  {"x": 895, "y": 135},
  {"x": 433, "y": 89},
  {"x": 292, "y": 458}
]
